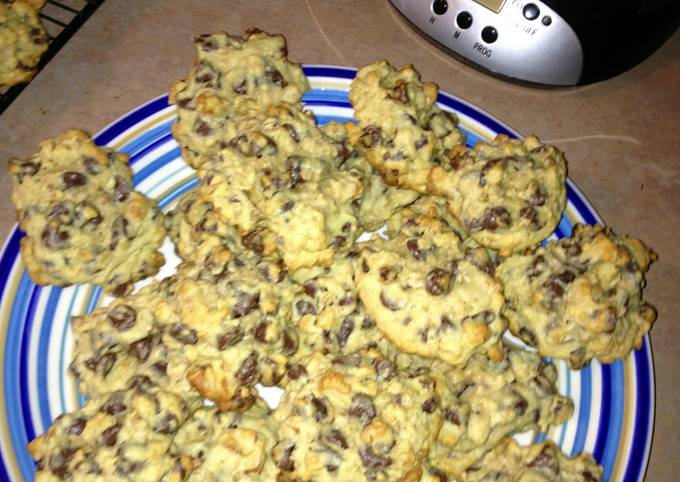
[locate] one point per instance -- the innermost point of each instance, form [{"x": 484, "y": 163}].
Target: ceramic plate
[{"x": 614, "y": 403}]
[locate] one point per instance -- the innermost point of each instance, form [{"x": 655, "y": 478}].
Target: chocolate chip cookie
[
  {"x": 212, "y": 331},
  {"x": 83, "y": 220},
  {"x": 510, "y": 462},
  {"x": 487, "y": 400},
  {"x": 231, "y": 77},
  {"x": 580, "y": 297},
  {"x": 401, "y": 130},
  {"x": 355, "y": 418},
  {"x": 228, "y": 446},
  {"x": 22, "y": 42},
  {"x": 509, "y": 194},
  {"x": 118, "y": 436},
  {"x": 428, "y": 295}
]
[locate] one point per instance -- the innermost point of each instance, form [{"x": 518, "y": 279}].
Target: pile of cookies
[
  {"x": 390, "y": 351},
  {"x": 23, "y": 40}
]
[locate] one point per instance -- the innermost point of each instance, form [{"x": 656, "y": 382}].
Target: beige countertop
[{"x": 622, "y": 136}]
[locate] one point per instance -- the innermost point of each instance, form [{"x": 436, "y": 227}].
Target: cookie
[
  {"x": 83, "y": 220},
  {"x": 510, "y": 462},
  {"x": 428, "y": 295},
  {"x": 330, "y": 317},
  {"x": 580, "y": 298},
  {"x": 379, "y": 201},
  {"x": 355, "y": 418},
  {"x": 401, "y": 130},
  {"x": 487, "y": 400},
  {"x": 22, "y": 42},
  {"x": 210, "y": 331},
  {"x": 231, "y": 77},
  {"x": 509, "y": 194},
  {"x": 198, "y": 232},
  {"x": 118, "y": 436},
  {"x": 301, "y": 206},
  {"x": 228, "y": 446}
]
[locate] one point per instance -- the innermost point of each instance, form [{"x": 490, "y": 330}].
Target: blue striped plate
[{"x": 614, "y": 403}]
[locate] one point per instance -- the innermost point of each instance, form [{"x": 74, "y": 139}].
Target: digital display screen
[{"x": 494, "y": 5}]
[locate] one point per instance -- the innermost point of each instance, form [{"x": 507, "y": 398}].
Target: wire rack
[{"x": 61, "y": 19}]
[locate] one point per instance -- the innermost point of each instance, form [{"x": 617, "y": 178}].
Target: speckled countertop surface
[{"x": 622, "y": 136}]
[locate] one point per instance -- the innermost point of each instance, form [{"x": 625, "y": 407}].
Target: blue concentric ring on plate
[{"x": 614, "y": 413}]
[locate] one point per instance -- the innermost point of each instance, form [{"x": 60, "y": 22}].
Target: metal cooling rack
[{"x": 61, "y": 19}]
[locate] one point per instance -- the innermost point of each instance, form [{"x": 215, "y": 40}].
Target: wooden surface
[{"x": 621, "y": 136}]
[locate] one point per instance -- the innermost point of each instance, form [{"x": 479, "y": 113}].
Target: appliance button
[
  {"x": 489, "y": 35},
  {"x": 464, "y": 20},
  {"x": 440, "y": 6},
  {"x": 531, "y": 11},
  {"x": 546, "y": 20}
]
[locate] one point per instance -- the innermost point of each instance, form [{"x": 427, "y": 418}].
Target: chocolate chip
[
  {"x": 168, "y": 424},
  {"x": 373, "y": 461},
  {"x": 537, "y": 198},
  {"x": 577, "y": 358},
  {"x": 247, "y": 373},
  {"x": 534, "y": 268},
  {"x": 420, "y": 143},
  {"x": 86, "y": 215},
  {"x": 290, "y": 343},
  {"x": 370, "y": 137},
  {"x": 412, "y": 245},
  {"x": 119, "y": 231},
  {"x": 337, "y": 242},
  {"x": 53, "y": 237},
  {"x": 73, "y": 179},
  {"x": 438, "y": 282},
  {"x": 310, "y": 287},
  {"x": 364, "y": 266},
  {"x": 109, "y": 437},
  {"x": 59, "y": 462},
  {"x": 399, "y": 92},
  {"x": 122, "y": 317},
  {"x": 445, "y": 323},
  {"x": 230, "y": 338},
  {"x": 141, "y": 383},
  {"x": 183, "y": 334},
  {"x": 105, "y": 363},
  {"x": 320, "y": 408},
  {"x": 546, "y": 461},
  {"x": 274, "y": 76},
  {"x": 253, "y": 241},
  {"x": 530, "y": 214},
  {"x": 335, "y": 437},
  {"x": 286, "y": 463},
  {"x": 76, "y": 428},
  {"x": 295, "y": 173},
  {"x": 260, "y": 331},
  {"x": 528, "y": 336},
  {"x": 245, "y": 304},
  {"x": 141, "y": 349},
  {"x": 362, "y": 407},
  {"x": 388, "y": 303},
  {"x": 296, "y": 371},
  {"x": 304, "y": 307},
  {"x": 202, "y": 129},
  {"x": 287, "y": 206},
  {"x": 292, "y": 133},
  {"x": 27, "y": 168},
  {"x": 241, "y": 88},
  {"x": 346, "y": 329},
  {"x": 383, "y": 368},
  {"x": 429, "y": 405},
  {"x": 121, "y": 189},
  {"x": 452, "y": 416},
  {"x": 115, "y": 405}
]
